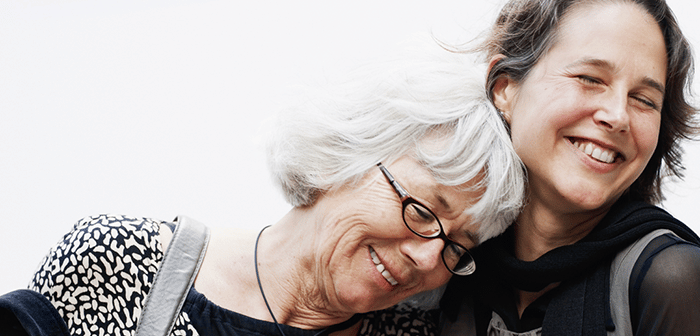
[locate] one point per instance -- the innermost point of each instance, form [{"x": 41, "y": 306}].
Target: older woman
[
  {"x": 595, "y": 96},
  {"x": 391, "y": 184}
]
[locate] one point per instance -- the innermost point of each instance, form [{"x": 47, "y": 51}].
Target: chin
[
  {"x": 586, "y": 196},
  {"x": 363, "y": 302},
  {"x": 592, "y": 201},
  {"x": 370, "y": 304}
]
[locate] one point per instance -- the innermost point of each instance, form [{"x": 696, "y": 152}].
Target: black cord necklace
[{"x": 257, "y": 276}]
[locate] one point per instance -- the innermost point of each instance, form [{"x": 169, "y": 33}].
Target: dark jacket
[{"x": 26, "y": 312}]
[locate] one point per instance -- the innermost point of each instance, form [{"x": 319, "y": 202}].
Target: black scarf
[{"x": 580, "y": 303}]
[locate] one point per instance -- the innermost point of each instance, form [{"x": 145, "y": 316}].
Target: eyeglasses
[{"x": 425, "y": 224}]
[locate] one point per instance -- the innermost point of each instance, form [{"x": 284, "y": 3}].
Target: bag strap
[
  {"x": 620, "y": 272},
  {"x": 175, "y": 276}
]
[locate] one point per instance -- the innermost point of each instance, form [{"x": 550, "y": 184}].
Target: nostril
[
  {"x": 424, "y": 253},
  {"x": 614, "y": 126}
]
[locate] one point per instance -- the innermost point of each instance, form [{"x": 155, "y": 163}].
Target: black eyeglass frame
[{"x": 407, "y": 199}]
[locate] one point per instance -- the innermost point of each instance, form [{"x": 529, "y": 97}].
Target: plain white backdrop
[{"x": 154, "y": 108}]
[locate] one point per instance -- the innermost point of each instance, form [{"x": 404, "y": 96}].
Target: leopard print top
[{"x": 99, "y": 274}]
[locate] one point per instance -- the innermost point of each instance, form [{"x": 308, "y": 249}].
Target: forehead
[
  {"x": 420, "y": 183},
  {"x": 420, "y": 180},
  {"x": 617, "y": 15},
  {"x": 622, "y": 32}
]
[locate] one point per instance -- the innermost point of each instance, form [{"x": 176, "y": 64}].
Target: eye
[
  {"x": 454, "y": 251},
  {"x": 646, "y": 102},
  {"x": 419, "y": 214},
  {"x": 589, "y": 80},
  {"x": 421, "y": 221}
]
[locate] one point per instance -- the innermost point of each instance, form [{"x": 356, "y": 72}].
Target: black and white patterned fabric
[
  {"x": 99, "y": 274},
  {"x": 399, "y": 320}
]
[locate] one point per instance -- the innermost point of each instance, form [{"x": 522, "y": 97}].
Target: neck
[
  {"x": 541, "y": 228},
  {"x": 289, "y": 275}
]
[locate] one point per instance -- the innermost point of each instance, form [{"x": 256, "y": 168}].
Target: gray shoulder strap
[
  {"x": 174, "y": 278},
  {"x": 620, "y": 272}
]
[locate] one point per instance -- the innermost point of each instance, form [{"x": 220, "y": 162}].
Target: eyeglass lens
[{"x": 423, "y": 223}]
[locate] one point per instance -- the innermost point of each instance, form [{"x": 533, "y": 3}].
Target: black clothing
[
  {"x": 26, "y": 312},
  {"x": 664, "y": 284}
]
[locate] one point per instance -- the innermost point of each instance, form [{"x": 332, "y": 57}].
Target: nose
[
  {"x": 612, "y": 114},
  {"x": 425, "y": 254}
]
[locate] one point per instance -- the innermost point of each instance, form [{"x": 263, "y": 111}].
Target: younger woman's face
[{"x": 585, "y": 121}]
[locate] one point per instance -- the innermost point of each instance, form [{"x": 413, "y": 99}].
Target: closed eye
[
  {"x": 455, "y": 251},
  {"x": 418, "y": 214},
  {"x": 588, "y": 79},
  {"x": 646, "y": 102}
]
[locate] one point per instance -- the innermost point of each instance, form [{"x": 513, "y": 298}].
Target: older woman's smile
[{"x": 380, "y": 267}]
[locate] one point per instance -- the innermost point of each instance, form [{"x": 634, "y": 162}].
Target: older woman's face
[
  {"x": 586, "y": 119},
  {"x": 368, "y": 218}
]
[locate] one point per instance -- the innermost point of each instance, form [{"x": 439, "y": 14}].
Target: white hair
[{"x": 387, "y": 112}]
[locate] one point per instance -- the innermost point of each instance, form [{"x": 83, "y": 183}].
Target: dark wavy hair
[{"x": 525, "y": 30}]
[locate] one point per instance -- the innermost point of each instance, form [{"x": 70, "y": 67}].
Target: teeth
[
  {"x": 596, "y": 152},
  {"x": 389, "y": 278},
  {"x": 375, "y": 259}
]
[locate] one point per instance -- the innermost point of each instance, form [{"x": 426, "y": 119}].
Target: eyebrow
[
  {"x": 474, "y": 239},
  {"x": 471, "y": 236},
  {"x": 599, "y": 63},
  {"x": 443, "y": 202}
]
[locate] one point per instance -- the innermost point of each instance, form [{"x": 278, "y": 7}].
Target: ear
[
  {"x": 493, "y": 61},
  {"x": 504, "y": 91}
]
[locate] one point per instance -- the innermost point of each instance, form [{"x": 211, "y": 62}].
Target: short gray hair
[{"x": 386, "y": 113}]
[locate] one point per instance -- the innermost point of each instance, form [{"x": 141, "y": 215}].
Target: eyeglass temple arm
[{"x": 403, "y": 194}]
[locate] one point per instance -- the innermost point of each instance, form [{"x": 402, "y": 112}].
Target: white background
[{"x": 153, "y": 108}]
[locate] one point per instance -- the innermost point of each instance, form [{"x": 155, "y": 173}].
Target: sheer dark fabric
[{"x": 665, "y": 289}]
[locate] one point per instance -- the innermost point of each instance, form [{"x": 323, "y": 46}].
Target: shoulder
[
  {"x": 101, "y": 270},
  {"x": 108, "y": 230},
  {"x": 109, "y": 239},
  {"x": 667, "y": 262},
  {"x": 25, "y": 312},
  {"x": 664, "y": 288}
]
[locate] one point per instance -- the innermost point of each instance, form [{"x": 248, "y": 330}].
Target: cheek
[
  {"x": 430, "y": 282},
  {"x": 437, "y": 280},
  {"x": 528, "y": 129},
  {"x": 550, "y": 102},
  {"x": 535, "y": 118},
  {"x": 646, "y": 134}
]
